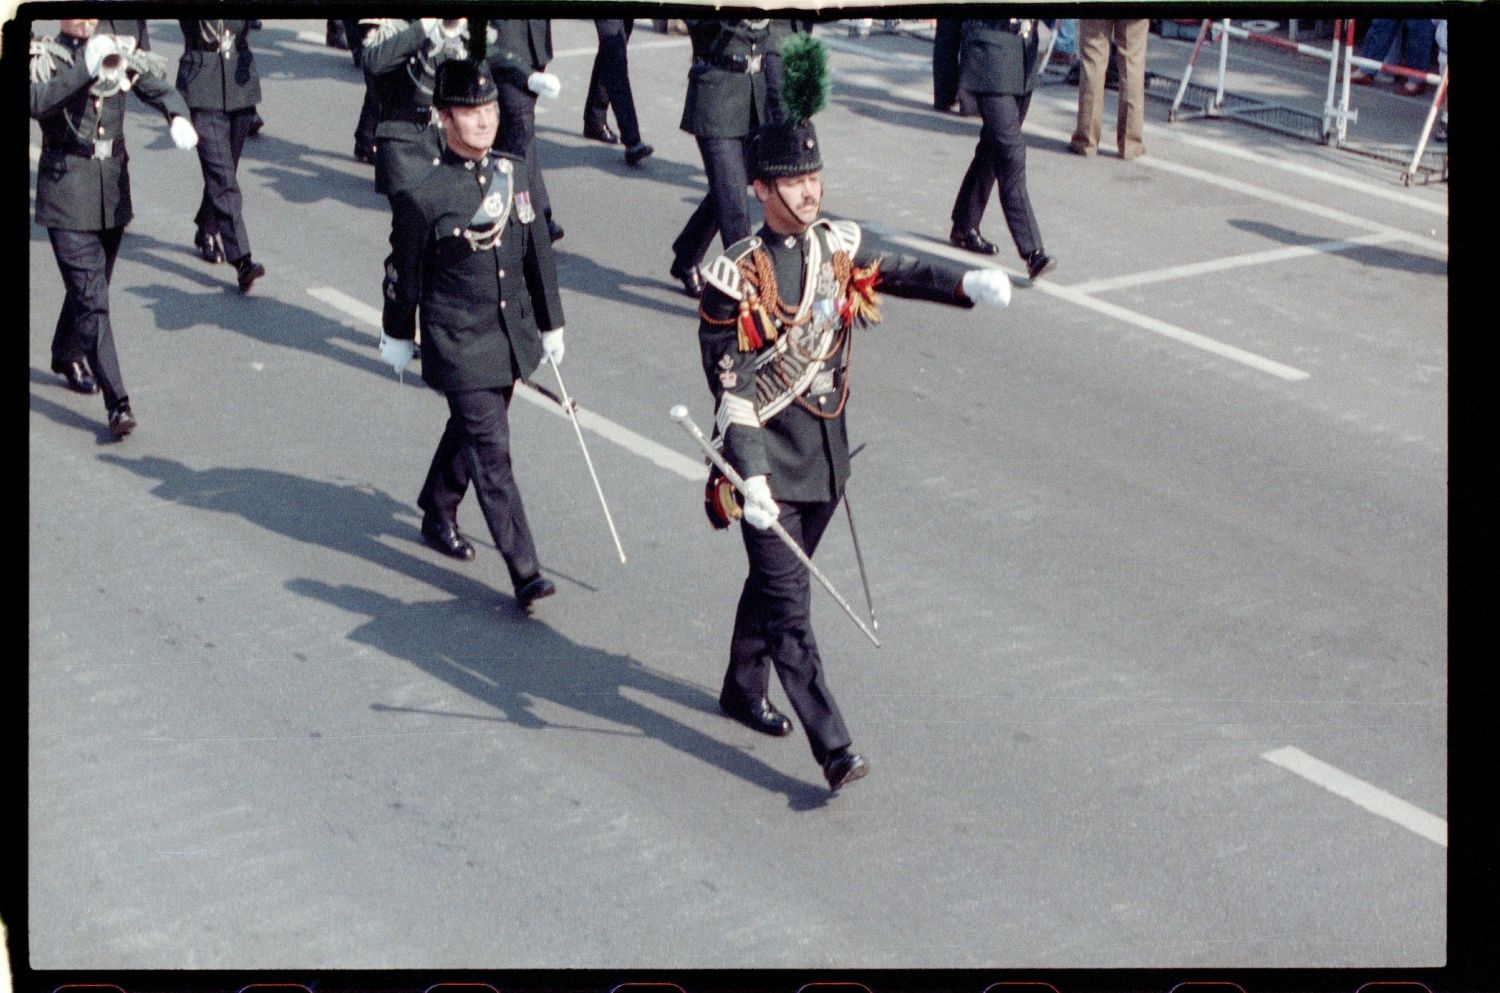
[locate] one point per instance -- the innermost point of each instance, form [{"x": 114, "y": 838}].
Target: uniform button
[
  {"x": 436, "y": 161},
  {"x": 457, "y": 232},
  {"x": 502, "y": 304},
  {"x": 500, "y": 273}
]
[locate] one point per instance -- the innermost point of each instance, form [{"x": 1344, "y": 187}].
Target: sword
[
  {"x": 858, "y": 557},
  {"x": 570, "y": 407},
  {"x": 679, "y": 414}
]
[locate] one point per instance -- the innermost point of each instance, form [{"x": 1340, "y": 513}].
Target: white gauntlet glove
[
  {"x": 760, "y": 507},
  {"x": 987, "y": 286},
  {"x": 396, "y": 351},
  {"x": 544, "y": 84},
  {"x": 440, "y": 32},
  {"x": 552, "y": 345},
  {"x": 183, "y": 133},
  {"x": 99, "y": 46}
]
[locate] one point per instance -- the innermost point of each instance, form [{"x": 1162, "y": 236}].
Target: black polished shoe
[
  {"x": 554, "y": 230},
  {"x": 121, "y": 420},
  {"x": 692, "y": 279},
  {"x": 602, "y": 133},
  {"x": 208, "y": 246},
  {"x": 533, "y": 590},
  {"x": 1039, "y": 262},
  {"x": 248, "y": 271},
  {"x": 844, "y": 767},
  {"x": 79, "y": 380},
  {"x": 972, "y": 241},
  {"x": 759, "y": 716},
  {"x": 443, "y": 535},
  {"x": 637, "y": 153}
]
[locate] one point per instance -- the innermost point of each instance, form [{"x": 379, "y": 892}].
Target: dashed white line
[
  {"x": 1142, "y": 321},
  {"x": 651, "y": 451},
  {"x": 1235, "y": 262},
  {"x": 1371, "y": 798}
]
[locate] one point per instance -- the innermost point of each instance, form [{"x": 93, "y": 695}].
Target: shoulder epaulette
[
  {"x": 385, "y": 27},
  {"x": 723, "y": 273},
  {"x": 846, "y": 235},
  {"x": 149, "y": 63},
  {"x": 45, "y": 54}
]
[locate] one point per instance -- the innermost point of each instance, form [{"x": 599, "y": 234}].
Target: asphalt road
[{"x": 1159, "y": 556}]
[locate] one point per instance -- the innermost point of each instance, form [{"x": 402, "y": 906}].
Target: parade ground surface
[{"x": 1159, "y": 557}]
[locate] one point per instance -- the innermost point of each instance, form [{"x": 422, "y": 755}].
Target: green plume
[{"x": 804, "y": 79}]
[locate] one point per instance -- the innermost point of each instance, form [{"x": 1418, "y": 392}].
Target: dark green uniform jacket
[
  {"x": 997, "y": 58},
  {"x": 217, "y": 68},
  {"x": 727, "y": 94},
  {"x": 82, "y": 181},
  {"x": 483, "y": 302},
  {"x": 777, "y": 412},
  {"x": 401, "y": 59}
]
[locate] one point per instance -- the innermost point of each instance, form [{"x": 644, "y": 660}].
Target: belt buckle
[
  {"x": 752, "y": 63},
  {"x": 103, "y": 150}
]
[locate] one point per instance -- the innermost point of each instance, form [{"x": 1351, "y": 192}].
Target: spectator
[
  {"x": 1097, "y": 39},
  {"x": 1409, "y": 41}
]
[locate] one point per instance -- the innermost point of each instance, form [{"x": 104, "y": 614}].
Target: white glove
[
  {"x": 552, "y": 345},
  {"x": 544, "y": 84},
  {"x": 184, "y": 135},
  {"x": 99, "y": 46},
  {"x": 760, "y": 507},
  {"x": 987, "y": 286},
  {"x": 397, "y": 351}
]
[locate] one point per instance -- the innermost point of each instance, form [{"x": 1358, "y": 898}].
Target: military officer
[
  {"x": 731, "y": 91},
  {"x": 518, "y": 60},
  {"x": 216, "y": 75},
  {"x": 78, "y": 85},
  {"x": 998, "y": 66},
  {"x": 470, "y": 250},
  {"x": 775, "y": 324}
]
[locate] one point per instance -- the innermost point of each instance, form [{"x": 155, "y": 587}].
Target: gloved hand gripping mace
[{"x": 679, "y": 414}]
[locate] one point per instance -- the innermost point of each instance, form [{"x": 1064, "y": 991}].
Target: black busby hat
[
  {"x": 463, "y": 83},
  {"x": 789, "y": 147}
]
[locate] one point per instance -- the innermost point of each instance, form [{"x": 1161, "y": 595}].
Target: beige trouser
[{"x": 1094, "y": 37}]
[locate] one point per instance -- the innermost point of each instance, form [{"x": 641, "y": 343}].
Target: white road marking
[
  {"x": 1115, "y": 311},
  {"x": 651, "y": 451},
  {"x": 1373, "y": 799},
  {"x": 1234, "y": 262}
]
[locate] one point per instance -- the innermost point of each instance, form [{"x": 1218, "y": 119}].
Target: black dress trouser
[
  {"x": 773, "y": 627},
  {"x": 609, "y": 85},
  {"x": 1000, "y": 157},
  {"x": 476, "y": 447},
  {"x": 221, "y": 138},
  {"x": 86, "y": 260},
  {"x": 724, "y": 210}
]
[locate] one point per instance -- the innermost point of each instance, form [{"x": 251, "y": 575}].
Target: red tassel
[{"x": 749, "y": 334}]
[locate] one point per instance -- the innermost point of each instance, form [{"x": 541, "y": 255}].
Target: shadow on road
[{"x": 478, "y": 641}]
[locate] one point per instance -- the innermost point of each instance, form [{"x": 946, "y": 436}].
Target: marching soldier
[
  {"x": 216, "y": 75},
  {"x": 732, "y": 89},
  {"x": 470, "y": 249},
  {"x": 998, "y": 67},
  {"x": 401, "y": 57},
  {"x": 518, "y": 61},
  {"x": 776, "y": 321},
  {"x": 78, "y": 86}
]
